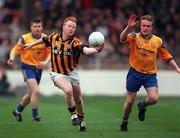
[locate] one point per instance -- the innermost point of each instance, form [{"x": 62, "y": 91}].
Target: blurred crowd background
[{"x": 107, "y": 16}]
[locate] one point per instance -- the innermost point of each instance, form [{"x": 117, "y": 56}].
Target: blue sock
[
  {"x": 143, "y": 104},
  {"x": 34, "y": 112},
  {"x": 20, "y": 108}
]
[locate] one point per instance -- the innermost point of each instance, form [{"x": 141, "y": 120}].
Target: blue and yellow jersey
[
  {"x": 34, "y": 55},
  {"x": 65, "y": 55},
  {"x": 143, "y": 53}
]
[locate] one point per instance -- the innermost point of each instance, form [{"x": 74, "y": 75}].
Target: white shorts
[{"x": 73, "y": 77}]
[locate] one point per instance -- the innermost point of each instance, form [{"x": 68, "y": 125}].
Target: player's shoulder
[
  {"x": 76, "y": 39},
  {"x": 26, "y": 35},
  {"x": 134, "y": 35},
  {"x": 157, "y": 38},
  {"x": 43, "y": 34},
  {"x": 54, "y": 35}
]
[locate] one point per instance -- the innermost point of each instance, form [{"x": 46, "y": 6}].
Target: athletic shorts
[
  {"x": 135, "y": 80},
  {"x": 31, "y": 72},
  {"x": 73, "y": 77}
]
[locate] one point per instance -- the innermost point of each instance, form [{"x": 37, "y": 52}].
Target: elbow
[
  {"x": 169, "y": 60},
  {"x": 122, "y": 39}
]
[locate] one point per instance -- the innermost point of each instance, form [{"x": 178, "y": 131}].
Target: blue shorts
[
  {"x": 31, "y": 72},
  {"x": 135, "y": 80}
]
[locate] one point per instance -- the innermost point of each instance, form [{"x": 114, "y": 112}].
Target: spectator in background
[
  {"x": 15, "y": 28},
  {"x": 4, "y": 49},
  {"x": 95, "y": 13},
  {"x": 4, "y": 83},
  {"x": 11, "y": 9}
]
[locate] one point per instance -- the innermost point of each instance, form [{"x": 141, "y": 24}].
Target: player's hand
[
  {"x": 10, "y": 61},
  {"x": 27, "y": 46},
  {"x": 132, "y": 22},
  {"x": 178, "y": 70},
  {"x": 99, "y": 48},
  {"x": 42, "y": 65}
]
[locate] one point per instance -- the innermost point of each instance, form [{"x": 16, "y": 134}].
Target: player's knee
[
  {"x": 68, "y": 92},
  {"x": 35, "y": 91},
  {"x": 154, "y": 99},
  {"x": 130, "y": 102}
]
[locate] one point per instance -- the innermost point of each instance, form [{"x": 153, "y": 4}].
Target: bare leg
[
  {"x": 130, "y": 98},
  {"x": 79, "y": 101},
  {"x": 79, "y": 106},
  {"x": 66, "y": 86},
  {"x": 34, "y": 99},
  {"x": 153, "y": 96},
  {"x": 34, "y": 90},
  {"x": 26, "y": 98},
  {"x": 150, "y": 100},
  {"x": 128, "y": 104}
]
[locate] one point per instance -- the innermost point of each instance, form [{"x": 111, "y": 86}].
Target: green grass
[{"x": 102, "y": 116}]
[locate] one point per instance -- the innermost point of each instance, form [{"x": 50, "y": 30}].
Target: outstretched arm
[
  {"x": 11, "y": 58},
  {"x": 29, "y": 45},
  {"x": 16, "y": 50},
  {"x": 92, "y": 50},
  {"x": 131, "y": 24},
  {"x": 174, "y": 65}
]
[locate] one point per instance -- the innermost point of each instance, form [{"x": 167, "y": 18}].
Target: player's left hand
[
  {"x": 42, "y": 65},
  {"x": 10, "y": 61},
  {"x": 99, "y": 48},
  {"x": 178, "y": 70}
]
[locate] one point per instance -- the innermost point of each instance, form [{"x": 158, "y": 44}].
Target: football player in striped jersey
[{"x": 66, "y": 50}]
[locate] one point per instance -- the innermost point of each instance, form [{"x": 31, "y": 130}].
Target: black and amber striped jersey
[{"x": 64, "y": 54}]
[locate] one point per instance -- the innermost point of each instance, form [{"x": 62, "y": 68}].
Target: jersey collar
[
  {"x": 146, "y": 37},
  {"x": 69, "y": 39},
  {"x": 36, "y": 37}
]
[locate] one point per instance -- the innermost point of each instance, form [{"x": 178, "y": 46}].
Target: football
[{"x": 96, "y": 39}]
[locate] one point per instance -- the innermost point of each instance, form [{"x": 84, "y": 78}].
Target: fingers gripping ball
[{"x": 96, "y": 39}]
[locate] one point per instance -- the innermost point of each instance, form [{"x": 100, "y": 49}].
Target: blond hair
[
  {"x": 148, "y": 18},
  {"x": 70, "y": 18}
]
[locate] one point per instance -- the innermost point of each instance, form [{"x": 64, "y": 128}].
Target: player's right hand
[
  {"x": 132, "y": 22},
  {"x": 27, "y": 46}
]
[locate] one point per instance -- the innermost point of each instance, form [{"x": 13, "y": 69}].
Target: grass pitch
[{"x": 103, "y": 115}]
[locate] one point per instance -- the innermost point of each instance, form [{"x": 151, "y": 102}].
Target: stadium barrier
[{"x": 102, "y": 82}]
